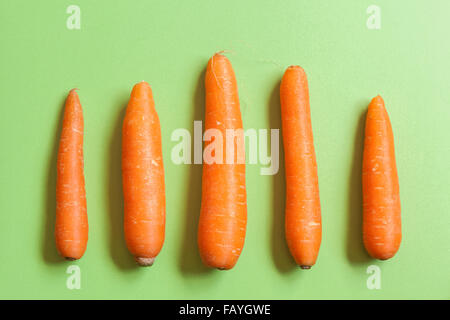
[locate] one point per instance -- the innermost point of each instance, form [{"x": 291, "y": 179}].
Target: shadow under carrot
[
  {"x": 356, "y": 252},
  {"x": 50, "y": 253},
  {"x": 190, "y": 261}
]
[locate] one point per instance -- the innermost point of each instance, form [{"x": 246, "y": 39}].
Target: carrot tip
[
  {"x": 378, "y": 100},
  {"x": 296, "y": 68},
  {"x": 305, "y": 267},
  {"x": 222, "y": 52},
  {"x": 144, "y": 262},
  {"x": 221, "y": 269},
  {"x": 70, "y": 258}
]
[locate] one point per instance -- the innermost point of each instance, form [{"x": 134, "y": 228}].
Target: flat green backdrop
[{"x": 168, "y": 44}]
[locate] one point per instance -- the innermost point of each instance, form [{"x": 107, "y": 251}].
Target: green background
[{"x": 168, "y": 44}]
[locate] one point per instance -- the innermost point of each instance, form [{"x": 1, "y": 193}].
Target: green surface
[{"x": 168, "y": 44}]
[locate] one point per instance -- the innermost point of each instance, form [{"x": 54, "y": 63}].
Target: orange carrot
[
  {"x": 382, "y": 232},
  {"x": 71, "y": 228},
  {"x": 223, "y": 216},
  {"x": 143, "y": 177},
  {"x": 303, "y": 218}
]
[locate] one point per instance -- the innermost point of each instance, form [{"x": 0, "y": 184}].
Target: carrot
[
  {"x": 303, "y": 218},
  {"x": 382, "y": 232},
  {"x": 143, "y": 177},
  {"x": 223, "y": 216},
  {"x": 71, "y": 227}
]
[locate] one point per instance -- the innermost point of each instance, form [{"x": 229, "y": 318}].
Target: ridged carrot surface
[
  {"x": 303, "y": 216},
  {"x": 71, "y": 228},
  {"x": 143, "y": 177},
  {"x": 382, "y": 232},
  {"x": 223, "y": 216}
]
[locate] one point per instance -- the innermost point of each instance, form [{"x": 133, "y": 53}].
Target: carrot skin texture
[
  {"x": 303, "y": 225},
  {"x": 382, "y": 232},
  {"x": 143, "y": 177},
  {"x": 71, "y": 227},
  {"x": 223, "y": 216}
]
